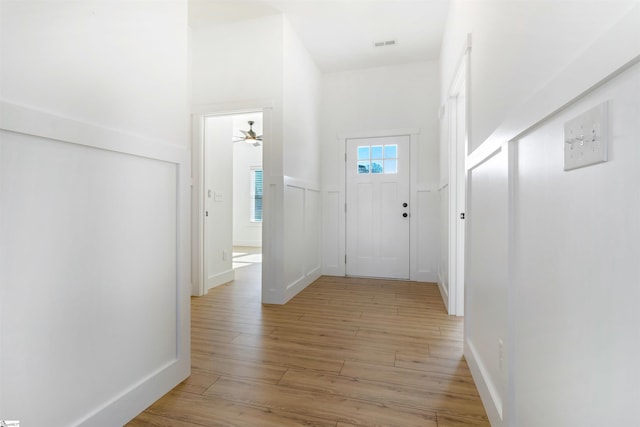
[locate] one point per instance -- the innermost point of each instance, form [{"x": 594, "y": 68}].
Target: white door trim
[
  {"x": 199, "y": 113},
  {"x": 457, "y": 184},
  {"x": 413, "y": 186}
]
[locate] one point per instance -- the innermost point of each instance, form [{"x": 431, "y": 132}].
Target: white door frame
[
  {"x": 198, "y": 116},
  {"x": 412, "y": 133},
  {"x": 458, "y": 149}
]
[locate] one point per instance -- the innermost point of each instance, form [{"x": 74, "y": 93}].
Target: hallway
[{"x": 344, "y": 352}]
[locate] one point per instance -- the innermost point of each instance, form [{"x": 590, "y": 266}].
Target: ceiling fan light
[{"x": 250, "y": 137}]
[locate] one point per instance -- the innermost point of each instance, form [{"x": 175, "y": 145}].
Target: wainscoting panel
[
  {"x": 302, "y": 225},
  {"x": 294, "y": 235},
  {"x": 313, "y": 232},
  {"x": 487, "y": 279},
  {"x": 93, "y": 256},
  {"x": 332, "y": 233},
  {"x": 428, "y": 205}
]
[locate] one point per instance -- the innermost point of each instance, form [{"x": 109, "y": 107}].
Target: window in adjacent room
[{"x": 256, "y": 195}]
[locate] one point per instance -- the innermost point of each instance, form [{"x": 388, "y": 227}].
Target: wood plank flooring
[{"x": 344, "y": 352}]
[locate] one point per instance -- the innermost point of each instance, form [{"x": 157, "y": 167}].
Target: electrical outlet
[
  {"x": 224, "y": 255},
  {"x": 586, "y": 139}
]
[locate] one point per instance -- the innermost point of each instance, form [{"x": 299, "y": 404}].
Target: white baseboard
[
  {"x": 127, "y": 405},
  {"x": 426, "y": 276},
  {"x": 315, "y": 272},
  {"x": 333, "y": 270},
  {"x": 220, "y": 279},
  {"x": 486, "y": 387},
  {"x": 296, "y": 287},
  {"x": 444, "y": 292},
  {"x": 249, "y": 243}
]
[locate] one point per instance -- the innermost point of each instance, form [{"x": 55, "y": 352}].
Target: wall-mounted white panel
[
  {"x": 294, "y": 235},
  {"x": 313, "y": 231},
  {"x": 333, "y": 215},
  {"x": 88, "y": 244},
  {"x": 428, "y": 235},
  {"x": 576, "y": 271},
  {"x": 487, "y": 280}
]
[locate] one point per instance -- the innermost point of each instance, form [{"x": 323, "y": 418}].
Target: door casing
[{"x": 458, "y": 107}]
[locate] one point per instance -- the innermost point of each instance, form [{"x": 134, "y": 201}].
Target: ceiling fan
[{"x": 249, "y": 136}]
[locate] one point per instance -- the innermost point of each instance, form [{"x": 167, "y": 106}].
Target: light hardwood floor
[{"x": 343, "y": 352}]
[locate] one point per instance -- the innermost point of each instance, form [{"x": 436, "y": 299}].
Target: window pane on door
[
  {"x": 390, "y": 151},
  {"x": 376, "y": 166},
  {"x": 391, "y": 166},
  {"x": 363, "y": 166}
]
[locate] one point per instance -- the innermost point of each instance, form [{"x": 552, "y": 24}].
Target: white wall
[
  {"x": 245, "y": 157},
  {"x": 94, "y": 295},
  {"x": 377, "y": 99},
  {"x": 98, "y": 63},
  {"x": 548, "y": 272},
  {"x": 301, "y": 110},
  {"x": 243, "y": 67},
  {"x": 518, "y": 47}
]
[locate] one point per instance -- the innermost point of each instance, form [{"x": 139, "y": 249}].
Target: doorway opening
[
  {"x": 228, "y": 198},
  {"x": 247, "y": 195}
]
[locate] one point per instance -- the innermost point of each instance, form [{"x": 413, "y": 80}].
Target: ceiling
[{"x": 340, "y": 34}]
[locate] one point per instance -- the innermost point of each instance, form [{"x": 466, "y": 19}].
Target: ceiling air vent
[{"x": 385, "y": 43}]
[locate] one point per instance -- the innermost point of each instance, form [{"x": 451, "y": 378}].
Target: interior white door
[{"x": 378, "y": 211}]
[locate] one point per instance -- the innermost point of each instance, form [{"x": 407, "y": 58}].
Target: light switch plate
[{"x": 586, "y": 138}]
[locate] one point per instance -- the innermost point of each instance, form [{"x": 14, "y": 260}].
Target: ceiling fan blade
[
  {"x": 244, "y": 132},
  {"x": 259, "y": 137}
]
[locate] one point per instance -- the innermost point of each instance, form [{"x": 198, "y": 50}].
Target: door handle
[
  {"x": 404, "y": 205},
  {"x": 404, "y": 214}
]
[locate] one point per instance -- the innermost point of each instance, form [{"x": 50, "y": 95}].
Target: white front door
[{"x": 378, "y": 211}]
